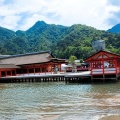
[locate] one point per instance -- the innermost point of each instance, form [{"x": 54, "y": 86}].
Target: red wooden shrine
[
  {"x": 104, "y": 63},
  {"x": 33, "y": 63}
]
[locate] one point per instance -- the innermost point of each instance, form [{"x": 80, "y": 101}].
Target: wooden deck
[{"x": 48, "y": 77}]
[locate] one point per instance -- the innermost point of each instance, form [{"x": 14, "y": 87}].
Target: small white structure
[{"x": 63, "y": 67}]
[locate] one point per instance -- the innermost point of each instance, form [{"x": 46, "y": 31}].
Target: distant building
[{"x": 77, "y": 67}]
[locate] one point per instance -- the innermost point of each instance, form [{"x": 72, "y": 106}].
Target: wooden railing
[{"x": 105, "y": 71}]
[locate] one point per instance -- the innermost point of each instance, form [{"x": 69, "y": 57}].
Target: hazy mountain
[{"x": 115, "y": 29}]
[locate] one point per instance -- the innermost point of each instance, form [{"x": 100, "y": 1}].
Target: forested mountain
[
  {"x": 61, "y": 40},
  {"x": 115, "y": 29},
  {"x": 78, "y": 42},
  {"x": 39, "y": 37}
]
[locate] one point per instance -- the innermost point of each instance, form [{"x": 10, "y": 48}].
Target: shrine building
[
  {"x": 104, "y": 65},
  {"x": 31, "y": 63}
]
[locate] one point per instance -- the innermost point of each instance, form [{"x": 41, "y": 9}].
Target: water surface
[{"x": 58, "y": 101}]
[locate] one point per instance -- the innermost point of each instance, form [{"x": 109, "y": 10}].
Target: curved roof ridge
[{"x": 26, "y": 54}]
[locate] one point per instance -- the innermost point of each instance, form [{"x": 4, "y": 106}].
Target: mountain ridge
[
  {"x": 115, "y": 29},
  {"x": 63, "y": 41}
]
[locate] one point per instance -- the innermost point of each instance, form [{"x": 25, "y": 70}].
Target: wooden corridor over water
[{"x": 48, "y": 77}]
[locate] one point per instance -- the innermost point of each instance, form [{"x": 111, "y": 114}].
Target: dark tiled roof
[
  {"x": 8, "y": 66},
  {"x": 30, "y": 58}
]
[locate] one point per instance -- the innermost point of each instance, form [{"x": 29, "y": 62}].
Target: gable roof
[
  {"x": 102, "y": 53},
  {"x": 30, "y": 58}
]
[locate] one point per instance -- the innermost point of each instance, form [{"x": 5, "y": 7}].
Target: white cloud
[
  {"x": 30, "y": 21},
  {"x": 92, "y": 13},
  {"x": 22, "y": 14},
  {"x": 1, "y": 2},
  {"x": 9, "y": 22},
  {"x": 114, "y": 8}
]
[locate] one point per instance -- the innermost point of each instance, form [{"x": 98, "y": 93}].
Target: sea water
[{"x": 58, "y": 101}]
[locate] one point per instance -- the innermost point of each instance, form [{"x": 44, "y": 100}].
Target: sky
[{"x": 23, "y": 14}]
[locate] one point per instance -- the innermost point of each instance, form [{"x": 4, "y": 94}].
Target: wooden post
[
  {"x": 117, "y": 71},
  {"x": 40, "y": 70},
  {"x": 60, "y": 67},
  {"x": 34, "y": 70},
  {"x": 45, "y": 69},
  {"x": 27, "y": 70},
  {"x": 0, "y": 73},
  {"x": 116, "y": 66},
  {"x": 5, "y": 72},
  {"x": 91, "y": 71},
  {"x": 119, "y": 65},
  {"x": 15, "y": 72},
  {"x": 103, "y": 68},
  {"x": 11, "y": 72},
  {"x": 51, "y": 69}
]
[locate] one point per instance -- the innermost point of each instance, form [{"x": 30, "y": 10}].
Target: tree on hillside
[{"x": 72, "y": 62}]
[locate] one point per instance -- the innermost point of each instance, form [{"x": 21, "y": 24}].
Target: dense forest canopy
[{"x": 62, "y": 41}]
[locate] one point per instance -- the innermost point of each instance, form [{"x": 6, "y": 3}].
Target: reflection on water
[{"x": 58, "y": 101}]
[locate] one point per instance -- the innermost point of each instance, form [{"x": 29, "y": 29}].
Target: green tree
[
  {"x": 72, "y": 62},
  {"x": 81, "y": 61},
  {"x": 72, "y": 59}
]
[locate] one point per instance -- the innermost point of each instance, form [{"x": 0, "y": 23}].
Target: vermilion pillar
[
  {"x": 91, "y": 67},
  {"x": 0, "y": 72}
]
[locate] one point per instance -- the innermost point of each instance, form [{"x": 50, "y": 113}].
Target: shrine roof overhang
[
  {"x": 102, "y": 55},
  {"x": 8, "y": 66},
  {"x": 59, "y": 60},
  {"x": 31, "y": 58}
]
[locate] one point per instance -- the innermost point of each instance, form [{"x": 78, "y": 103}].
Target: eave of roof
[
  {"x": 57, "y": 59},
  {"x": 88, "y": 59},
  {"x": 8, "y": 66},
  {"x": 31, "y": 58},
  {"x": 26, "y": 54}
]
